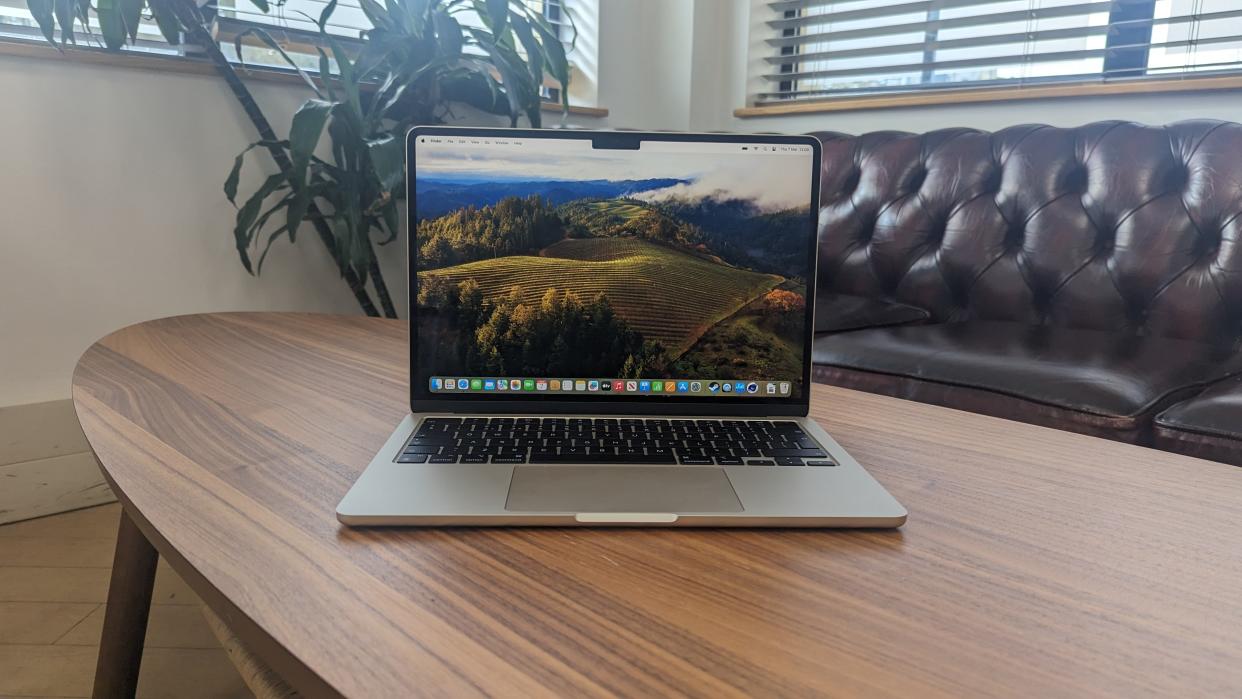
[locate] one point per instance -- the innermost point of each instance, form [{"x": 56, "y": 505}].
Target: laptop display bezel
[{"x": 423, "y": 400}]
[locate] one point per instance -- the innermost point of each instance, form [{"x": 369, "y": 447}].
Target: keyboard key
[
  {"x": 474, "y": 459},
  {"x": 412, "y": 459},
  {"x": 509, "y": 459},
  {"x": 760, "y": 462},
  {"x": 800, "y": 453},
  {"x": 696, "y": 461},
  {"x": 421, "y": 449},
  {"x": 438, "y": 421},
  {"x": 728, "y": 461},
  {"x": 546, "y": 458},
  {"x": 788, "y": 461},
  {"x": 442, "y": 459},
  {"x": 821, "y": 463}
]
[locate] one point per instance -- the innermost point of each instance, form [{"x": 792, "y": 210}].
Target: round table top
[{"x": 1035, "y": 562}]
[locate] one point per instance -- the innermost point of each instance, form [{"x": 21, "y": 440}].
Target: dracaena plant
[{"x": 415, "y": 61}]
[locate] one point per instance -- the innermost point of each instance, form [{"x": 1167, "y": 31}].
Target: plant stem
[
  {"x": 381, "y": 288},
  {"x": 187, "y": 13}
]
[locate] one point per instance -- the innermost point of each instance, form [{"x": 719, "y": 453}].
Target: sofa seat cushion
[
  {"x": 840, "y": 312},
  {"x": 1208, "y": 425},
  {"x": 1216, "y": 411},
  {"x": 1120, "y": 379}
]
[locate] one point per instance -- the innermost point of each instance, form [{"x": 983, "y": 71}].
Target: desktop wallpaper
[{"x": 611, "y": 264}]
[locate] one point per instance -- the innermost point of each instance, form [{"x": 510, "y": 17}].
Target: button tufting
[
  {"x": 850, "y": 184},
  {"x": 1209, "y": 240},
  {"x": 1178, "y": 178},
  {"x": 1031, "y": 227},
  {"x": 1015, "y": 236},
  {"x": 915, "y": 179},
  {"x": 992, "y": 180},
  {"x": 1075, "y": 179}
]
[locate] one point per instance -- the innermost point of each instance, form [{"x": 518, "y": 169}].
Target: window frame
[{"x": 1125, "y": 71}]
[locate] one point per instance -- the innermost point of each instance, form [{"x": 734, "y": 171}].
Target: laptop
[{"x": 612, "y": 328}]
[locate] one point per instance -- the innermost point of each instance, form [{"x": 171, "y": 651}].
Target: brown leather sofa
[{"x": 1087, "y": 279}]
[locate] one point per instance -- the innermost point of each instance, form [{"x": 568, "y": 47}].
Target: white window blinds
[{"x": 821, "y": 48}]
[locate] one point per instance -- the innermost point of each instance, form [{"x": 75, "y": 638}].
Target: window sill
[
  {"x": 995, "y": 94},
  {"x": 188, "y": 66}
]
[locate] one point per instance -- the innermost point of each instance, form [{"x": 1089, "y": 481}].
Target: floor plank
[
  {"x": 57, "y": 551},
  {"x": 189, "y": 674},
  {"x": 45, "y": 584},
  {"x": 170, "y": 626},
  {"x": 40, "y": 622},
  {"x": 89, "y": 523},
  {"x": 47, "y": 670},
  {"x": 54, "y": 574}
]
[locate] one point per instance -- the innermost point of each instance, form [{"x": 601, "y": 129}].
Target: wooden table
[{"x": 1035, "y": 562}]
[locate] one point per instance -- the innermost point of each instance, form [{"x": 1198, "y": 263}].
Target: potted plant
[{"x": 417, "y": 59}]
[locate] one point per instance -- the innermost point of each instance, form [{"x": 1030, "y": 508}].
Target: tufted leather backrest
[{"x": 1110, "y": 226}]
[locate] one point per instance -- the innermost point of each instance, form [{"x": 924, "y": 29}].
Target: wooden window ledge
[
  {"x": 994, "y": 94},
  {"x": 190, "y": 66}
]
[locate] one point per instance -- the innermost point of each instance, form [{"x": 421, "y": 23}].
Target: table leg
[{"x": 129, "y": 604}]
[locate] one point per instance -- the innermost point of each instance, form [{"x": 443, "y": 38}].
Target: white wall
[{"x": 113, "y": 213}]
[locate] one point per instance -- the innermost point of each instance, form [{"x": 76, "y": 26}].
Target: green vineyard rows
[{"x": 667, "y": 295}]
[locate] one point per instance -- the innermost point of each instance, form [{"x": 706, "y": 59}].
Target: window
[
  {"x": 293, "y": 24},
  {"x": 813, "y": 49}
]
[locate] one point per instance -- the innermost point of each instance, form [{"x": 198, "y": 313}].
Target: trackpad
[{"x": 674, "y": 489}]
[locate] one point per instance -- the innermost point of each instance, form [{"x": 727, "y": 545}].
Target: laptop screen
[{"x": 555, "y": 268}]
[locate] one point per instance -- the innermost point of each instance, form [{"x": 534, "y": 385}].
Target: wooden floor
[{"x": 53, "y": 583}]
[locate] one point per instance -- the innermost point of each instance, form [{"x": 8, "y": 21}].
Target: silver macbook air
[{"x": 612, "y": 328}]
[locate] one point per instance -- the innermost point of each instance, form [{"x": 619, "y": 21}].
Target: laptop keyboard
[{"x": 507, "y": 440}]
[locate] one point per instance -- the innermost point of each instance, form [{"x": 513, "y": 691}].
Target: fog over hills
[{"x": 440, "y": 195}]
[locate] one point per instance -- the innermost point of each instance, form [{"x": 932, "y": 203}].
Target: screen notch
[{"x": 619, "y": 140}]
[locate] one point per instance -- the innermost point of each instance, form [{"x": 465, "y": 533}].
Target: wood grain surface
[{"x": 1035, "y": 562}]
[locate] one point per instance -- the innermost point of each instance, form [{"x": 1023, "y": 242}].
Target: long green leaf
[
  {"x": 166, "y": 20},
  {"x": 558, "y": 65},
  {"x": 325, "y": 15},
  {"x": 43, "y": 15},
  {"x": 498, "y": 14},
  {"x": 387, "y": 155},
  {"x": 349, "y": 79},
  {"x": 448, "y": 33},
  {"x": 389, "y": 214},
  {"x": 522, "y": 94},
  {"x": 65, "y": 11},
  {"x": 534, "y": 52},
  {"x": 304, "y": 133},
  {"x": 325, "y": 73},
  {"x": 268, "y": 248},
  {"x": 247, "y": 214},
  {"x": 379, "y": 17},
  {"x": 131, "y": 14},
  {"x": 230, "y": 183},
  {"x": 511, "y": 78},
  {"x": 111, "y": 24}
]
